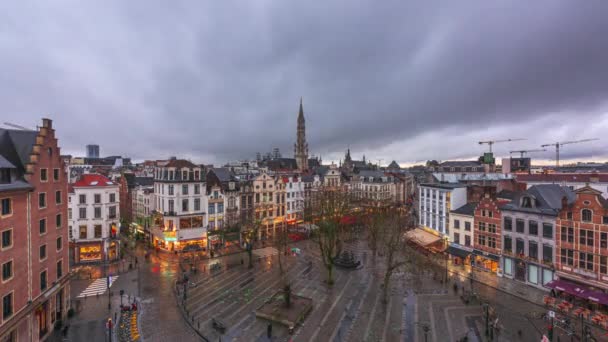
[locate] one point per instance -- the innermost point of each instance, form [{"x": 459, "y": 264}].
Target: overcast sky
[{"x": 220, "y": 80}]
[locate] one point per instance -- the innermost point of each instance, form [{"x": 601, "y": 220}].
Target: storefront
[
  {"x": 460, "y": 255},
  {"x": 91, "y": 252},
  {"x": 485, "y": 261}
]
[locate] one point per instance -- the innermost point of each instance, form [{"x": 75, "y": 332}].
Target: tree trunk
[
  {"x": 330, "y": 274},
  {"x": 387, "y": 279},
  {"x": 249, "y": 252}
]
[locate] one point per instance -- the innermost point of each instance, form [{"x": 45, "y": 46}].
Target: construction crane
[
  {"x": 559, "y": 144},
  {"x": 492, "y": 142},
  {"x": 523, "y": 152}
]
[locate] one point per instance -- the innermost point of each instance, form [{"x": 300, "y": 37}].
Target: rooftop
[
  {"x": 93, "y": 179},
  {"x": 565, "y": 177},
  {"x": 467, "y": 209}
]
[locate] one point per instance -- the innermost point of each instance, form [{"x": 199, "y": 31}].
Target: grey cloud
[{"x": 222, "y": 80}]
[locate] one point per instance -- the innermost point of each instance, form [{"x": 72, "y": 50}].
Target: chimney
[{"x": 48, "y": 123}]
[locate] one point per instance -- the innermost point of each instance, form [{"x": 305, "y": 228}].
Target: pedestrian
[{"x": 269, "y": 330}]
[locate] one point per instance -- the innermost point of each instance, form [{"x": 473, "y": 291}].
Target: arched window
[{"x": 586, "y": 215}]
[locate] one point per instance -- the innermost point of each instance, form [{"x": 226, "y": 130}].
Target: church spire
[{"x": 301, "y": 147}]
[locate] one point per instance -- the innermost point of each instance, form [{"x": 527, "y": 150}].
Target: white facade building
[
  {"x": 295, "y": 199},
  {"x": 180, "y": 220},
  {"x": 435, "y": 203},
  {"x": 94, "y": 219}
]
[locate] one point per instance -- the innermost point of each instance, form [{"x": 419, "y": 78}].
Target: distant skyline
[{"x": 222, "y": 80}]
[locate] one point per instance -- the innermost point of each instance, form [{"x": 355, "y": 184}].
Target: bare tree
[
  {"x": 249, "y": 235},
  {"x": 391, "y": 241},
  {"x": 374, "y": 223},
  {"x": 328, "y": 208}
]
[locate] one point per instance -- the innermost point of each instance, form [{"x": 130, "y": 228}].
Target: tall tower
[{"x": 301, "y": 146}]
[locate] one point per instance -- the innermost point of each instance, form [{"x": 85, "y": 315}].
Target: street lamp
[{"x": 426, "y": 328}]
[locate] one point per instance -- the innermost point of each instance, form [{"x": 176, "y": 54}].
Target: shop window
[
  {"x": 43, "y": 281},
  {"x": 7, "y": 206},
  {"x": 7, "y": 238},
  {"x": 90, "y": 253},
  {"x": 533, "y": 228},
  {"x": 533, "y": 274},
  {"x": 7, "y": 271},
  {"x": 547, "y": 276},
  {"x": 7, "y": 306},
  {"x": 586, "y": 215}
]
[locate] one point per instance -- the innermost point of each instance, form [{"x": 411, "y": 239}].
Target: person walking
[{"x": 269, "y": 330}]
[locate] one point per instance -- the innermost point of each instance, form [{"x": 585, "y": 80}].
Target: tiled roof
[
  {"x": 506, "y": 194},
  {"x": 548, "y": 199},
  {"x": 564, "y": 177},
  {"x": 222, "y": 173},
  {"x": 467, "y": 209},
  {"x": 93, "y": 179}
]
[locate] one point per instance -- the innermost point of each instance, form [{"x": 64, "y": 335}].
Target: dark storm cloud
[{"x": 220, "y": 80}]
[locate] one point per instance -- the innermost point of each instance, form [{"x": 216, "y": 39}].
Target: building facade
[
  {"x": 529, "y": 234},
  {"x": 33, "y": 224},
  {"x": 488, "y": 226},
  {"x": 462, "y": 233},
  {"x": 582, "y": 242},
  {"x": 94, "y": 215},
  {"x": 180, "y": 219},
  {"x": 295, "y": 199},
  {"x": 574, "y": 181},
  {"x": 435, "y": 203}
]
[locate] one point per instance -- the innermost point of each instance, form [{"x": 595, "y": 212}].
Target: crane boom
[
  {"x": 523, "y": 152},
  {"x": 559, "y": 144},
  {"x": 492, "y": 142}
]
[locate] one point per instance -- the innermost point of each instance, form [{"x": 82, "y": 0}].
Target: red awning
[{"x": 348, "y": 220}]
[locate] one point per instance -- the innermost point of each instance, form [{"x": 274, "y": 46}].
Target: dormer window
[
  {"x": 184, "y": 175},
  {"x": 5, "y": 175},
  {"x": 586, "y": 215},
  {"x": 526, "y": 202}
]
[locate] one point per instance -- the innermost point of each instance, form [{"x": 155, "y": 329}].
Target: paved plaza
[{"x": 351, "y": 310}]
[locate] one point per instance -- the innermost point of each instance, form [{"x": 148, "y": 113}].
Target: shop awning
[
  {"x": 486, "y": 255},
  {"x": 578, "y": 290},
  {"x": 461, "y": 253},
  {"x": 421, "y": 237}
]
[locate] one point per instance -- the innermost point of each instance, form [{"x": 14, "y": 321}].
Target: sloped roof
[
  {"x": 4, "y": 163},
  {"x": 467, "y": 209},
  {"x": 460, "y": 163},
  {"x": 563, "y": 177},
  {"x": 548, "y": 199},
  {"x": 93, "y": 179},
  {"x": 393, "y": 165},
  {"x": 223, "y": 173},
  {"x": 180, "y": 163},
  {"x": 506, "y": 194},
  {"x": 144, "y": 181},
  {"x": 16, "y": 146}
]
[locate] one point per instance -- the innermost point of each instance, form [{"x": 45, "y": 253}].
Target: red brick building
[
  {"x": 34, "y": 254},
  {"x": 126, "y": 196},
  {"x": 582, "y": 240},
  {"x": 487, "y": 238}
]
